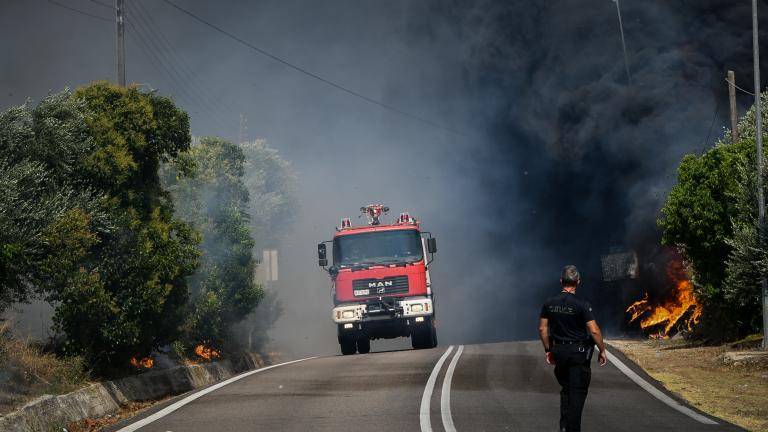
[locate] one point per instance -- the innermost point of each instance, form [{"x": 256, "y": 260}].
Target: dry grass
[
  {"x": 736, "y": 393},
  {"x": 27, "y": 371},
  {"x": 129, "y": 410}
]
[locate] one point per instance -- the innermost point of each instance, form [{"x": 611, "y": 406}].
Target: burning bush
[
  {"x": 677, "y": 310},
  {"x": 142, "y": 363},
  {"x": 207, "y": 353}
]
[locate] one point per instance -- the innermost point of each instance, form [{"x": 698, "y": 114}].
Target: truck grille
[{"x": 379, "y": 287}]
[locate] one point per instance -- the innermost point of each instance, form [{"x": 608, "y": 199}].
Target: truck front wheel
[
  {"x": 364, "y": 345},
  {"x": 348, "y": 345},
  {"x": 424, "y": 337}
]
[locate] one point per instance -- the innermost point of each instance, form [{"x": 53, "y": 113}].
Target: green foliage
[
  {"x": 711, "y": 216},
  {"x": 132, "y": 133},
  {"x": 215, "y": 200},
  {"x": 698, "y": 211},
  {"x": 86, "y": 222},
  {"x": 38, "y": 150},
  {"x": 271, "y": 183},
  {"x": 133, "y": 298},
  {"x": 748, "y": 260}
]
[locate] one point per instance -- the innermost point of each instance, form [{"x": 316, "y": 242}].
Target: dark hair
[{"x": 570, "y": 276}]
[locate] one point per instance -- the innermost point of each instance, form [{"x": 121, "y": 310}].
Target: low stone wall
[{"x": 98, "y": 400}]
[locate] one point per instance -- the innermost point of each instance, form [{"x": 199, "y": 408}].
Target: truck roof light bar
[{"x": 346, "y": 223}]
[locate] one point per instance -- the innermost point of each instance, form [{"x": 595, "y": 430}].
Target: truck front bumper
[{"x": 367, "y": 312}]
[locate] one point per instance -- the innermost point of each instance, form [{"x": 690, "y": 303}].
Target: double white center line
[{"x": 445, "y": 395}]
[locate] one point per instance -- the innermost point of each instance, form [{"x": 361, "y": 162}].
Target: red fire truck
[{"x": 380, "y": 281}]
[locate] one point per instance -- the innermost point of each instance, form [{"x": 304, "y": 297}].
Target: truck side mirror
[
  {"x": 322, "y": 257},
  {"x": 432, "y": 245}
]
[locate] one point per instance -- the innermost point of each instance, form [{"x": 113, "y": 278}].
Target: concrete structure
[{"x": 100, "y": 399}]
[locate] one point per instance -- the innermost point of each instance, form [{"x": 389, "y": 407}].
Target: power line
[
  {"x": 734, "y": 84},
  {"x": 108, "y": 6},
  {"x": 711, "y": 124},
  {"x": 144, "y": 31},
  {"x": 155, "y": 56},
  {"x": 80, "y": 12},
  {"x": 623, "y": 43},
  {"x": 155, "y": 59},
  {"x": 314, "y": 75},
  {"x": 184, "y": 71}
]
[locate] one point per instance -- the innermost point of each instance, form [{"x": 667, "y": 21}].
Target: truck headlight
[
  {"x": 347, "y": 314},
  {"x": 417, "y": 307}
]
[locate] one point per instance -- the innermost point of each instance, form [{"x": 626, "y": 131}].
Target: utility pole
[
  {"x": 759, "y": 140},
  {"x": 734, "y": 114},
  {"x": 120, "y": 42},
  {"x": 243, "y": 128},
  {"x": 623, "y": 44}
]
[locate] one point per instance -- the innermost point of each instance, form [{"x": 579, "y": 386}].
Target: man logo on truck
[{"x": 381, "y": 284}]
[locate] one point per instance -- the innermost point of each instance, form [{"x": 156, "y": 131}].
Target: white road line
[
  {"x": 445, "y": 395},
  {"x": 173, "y": 407},
  {"x": 424, "y": 421},
  {"x": 657, "y": 393}
]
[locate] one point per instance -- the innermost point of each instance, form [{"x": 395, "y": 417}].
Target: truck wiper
[
  {"x": 397, "y": 262},
  {"x": 363, "y": 265}
]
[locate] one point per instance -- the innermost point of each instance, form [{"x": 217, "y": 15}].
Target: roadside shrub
[{"x": 29, "y": 371}]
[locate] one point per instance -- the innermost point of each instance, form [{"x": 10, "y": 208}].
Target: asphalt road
[{"x": 494, "y": 387}]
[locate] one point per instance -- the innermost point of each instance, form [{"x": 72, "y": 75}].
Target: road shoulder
[{"x": 697, "y": 378}]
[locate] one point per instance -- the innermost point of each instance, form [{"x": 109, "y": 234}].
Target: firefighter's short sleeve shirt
[{"x": 567, "y": 316}]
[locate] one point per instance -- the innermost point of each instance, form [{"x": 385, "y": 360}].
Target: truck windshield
[{"x": 383, "y": 247}]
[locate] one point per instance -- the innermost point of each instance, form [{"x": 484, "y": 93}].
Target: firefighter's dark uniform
[{"x": 572, "y": 347}]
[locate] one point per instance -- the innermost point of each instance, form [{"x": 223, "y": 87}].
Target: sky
[{"x": 523, "y": 148}]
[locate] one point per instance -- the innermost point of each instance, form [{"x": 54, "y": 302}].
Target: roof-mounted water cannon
[{"x": 373, "y": 212}]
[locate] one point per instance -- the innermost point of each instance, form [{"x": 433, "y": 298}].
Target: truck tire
[
  {"x": 416, "y": 340},
  {"x": 364, "y": 345},
  {"x": 348, "y": 345},
  {"x": 424, "y": 338}
]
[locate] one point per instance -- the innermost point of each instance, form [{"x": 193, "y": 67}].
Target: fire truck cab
[{"x": 380, "y": 283}]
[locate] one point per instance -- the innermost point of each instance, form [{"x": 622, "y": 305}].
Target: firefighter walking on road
[{"x": 569, "y": 333}]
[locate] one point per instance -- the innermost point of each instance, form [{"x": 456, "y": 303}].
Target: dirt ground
[{"x": 734, "y": 391}]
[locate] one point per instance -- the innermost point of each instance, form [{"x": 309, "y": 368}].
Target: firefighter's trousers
[{"x": 573, "y": 374}]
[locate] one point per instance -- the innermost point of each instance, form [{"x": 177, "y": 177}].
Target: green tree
[
  {"x": 748, "y": 260},
  {"x": 272, "y": 185},
  {"x": 710, "y": 215},
  {"x": 85, "y": 222},
  {"x": 215, "y": 200},
  {"x": 39, "y": 149},
  {"x": 142, "y": 265},
  {"x": 697, "y": 214}
]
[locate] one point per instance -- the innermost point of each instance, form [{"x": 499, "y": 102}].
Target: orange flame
[
  {"x": 207, "y": 353},
  {"x": 671, "y": 311},
  {"x": 145, "y": 363}
]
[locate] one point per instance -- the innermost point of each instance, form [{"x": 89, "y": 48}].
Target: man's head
[{"x": 570, "y": 277}]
